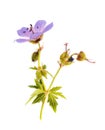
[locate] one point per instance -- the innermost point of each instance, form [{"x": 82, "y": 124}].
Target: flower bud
[
  {"x": 35, "y": 56},
  {"x": 38, "y": 74},
  {"x": 81, "y": 56}
]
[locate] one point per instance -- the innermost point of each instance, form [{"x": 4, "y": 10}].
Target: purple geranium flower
[{"x": 34, "y": 34}]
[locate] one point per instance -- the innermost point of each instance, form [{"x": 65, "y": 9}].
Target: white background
[{"x": 81, "y": 23}]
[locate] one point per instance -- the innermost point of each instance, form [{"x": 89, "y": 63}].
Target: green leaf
[
  {"x": 44, "y": 66},
  {"x": 52, "y": 101},
  {"x": 40, "y": 97},
  {"x": 54, "y": 91},
  {"x": 44, "y": 73},
  {"x": 56, "y": 88},
  {"x": 35, "y": 93},
  {"x": 38, "y": 74},
  {"x": 33, "y": 86},
  {"x": 34, "y": 68},
  {"x": 35, "y": 56},
  {"x": 59, "y": 94},
  {"x": 38, "y": 84}
]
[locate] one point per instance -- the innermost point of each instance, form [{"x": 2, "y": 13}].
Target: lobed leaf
[
  {"x": 52, "y": 101},
  {"x": 40, "y": 97},
  {"x": 35, "y": 93},
  {"x": 38, "y": 83}
]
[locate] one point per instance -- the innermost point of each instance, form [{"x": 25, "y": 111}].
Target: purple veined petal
[
  {"x": 39, "y": 26},
  {"x": 24, "y": 32},
  {"x": 48, "y": 27},
  {"x": 35, "y": 36},
  {"x": 22, "y": 40}
]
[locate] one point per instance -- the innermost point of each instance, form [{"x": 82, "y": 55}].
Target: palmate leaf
[
  {"x": 52, "y": 101},
  {"x": 40, "y": 97},
  {"x": 35, "y": 93}
]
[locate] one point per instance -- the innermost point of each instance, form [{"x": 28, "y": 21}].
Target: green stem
[
  {"x": 54, "y": 78},
  {"x": 49, "y": 73},
  {"x": 41, "y": 111},
  {"x": 39, "y": 53},
  {"x": 44, "y": 86}
]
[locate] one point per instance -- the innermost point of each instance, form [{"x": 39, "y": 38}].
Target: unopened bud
[
  {"x": 35, "y": 56},
  {"x": 81, "y": 56}
]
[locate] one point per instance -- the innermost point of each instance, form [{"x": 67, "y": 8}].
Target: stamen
[
  {"x": 31, "y": 29},
  {"x": 66, "y": 44}
]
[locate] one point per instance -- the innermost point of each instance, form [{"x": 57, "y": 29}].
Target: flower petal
[
  {"x": 24, "y": 32},
  {"x": 22, "y": 40},
  {"x": 48, "y": 27},
  {"x": 35, "y": 36},
  {"x": 39, "y": 26}
]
